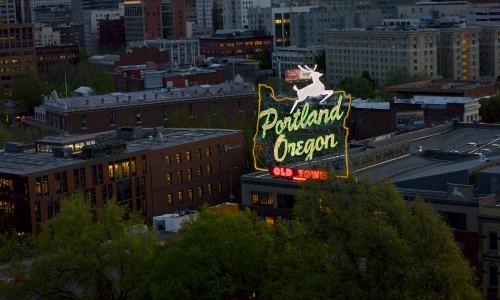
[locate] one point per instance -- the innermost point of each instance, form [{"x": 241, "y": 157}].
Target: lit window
[
  {"x": 209, "y": 169},
  {"x": 210, "y": 189},
  {"x": 190, "y": 174},
  {"x": 170, "y": 200},
  {"x": 219, "y": 186},
  {"x": 191, "y": 194},
  {"x": 198, "y": 153},
  {"x": 169, "y": 178},
  {"x": 217, "y": 149},
  {"x": 178, "y": 157},
  {"x": 200, "y": 191},
  {"x": 179, "y": 176},
  {"x": 219, "y": 167},
  {"x": 181, "y": 200},
  {"x": 188, "y": 155},
  {"x": 199, "y": 171},
  {"x": 207, "y": 150}
]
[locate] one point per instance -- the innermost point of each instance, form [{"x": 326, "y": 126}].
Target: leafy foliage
[
  {"x": 489, "y": 109},
  {"x": 265, "y": 60},
  {"x": 359, "y": 87},
  {"x": 22, "y": 134},
  {"x": 32, "y": 96},
  {"x": 102, "y": 83},
  {"x": 402, "y": 76},
  {"x": 82, "y": 253}
]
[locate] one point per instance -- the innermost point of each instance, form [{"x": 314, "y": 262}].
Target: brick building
[
  {"x": 92, "y": 114},
  {"x": 157, "y": 171},
  {"x": 142, "y": 20},
  {"x": 447, "y": 88},
  {"x": 364, "y": 117},
  {"x": 112, "y": 33},
  {"x": 17, "y": 50},
  {"x": 174, "y": 15},
  {"x": 56, "y": 55},
  {"x": 140, "y": 56},
  {"x": 236, "y": 43}
]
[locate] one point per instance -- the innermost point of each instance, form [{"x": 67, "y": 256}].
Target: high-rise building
[
  {"x": 459, "y": 53},
  {"x": 142, "y": 20},
  {"x": 79, "y": 6},
  {"x": 46, "y": 36},
  {"x": 174, "y": 16},
  {"x": 489, "y": 52},
  {"x": 91, "y": 23},
  {"x": 72, "y": 34},
  {"x": 210, "y": 16},
  {"x": 34, "y": 4},
  {"x": 349, "y": 52},
  {"x": 112, "y": 32},
  {"x": 236, "y": 12}
]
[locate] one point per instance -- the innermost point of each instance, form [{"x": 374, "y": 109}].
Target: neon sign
[
  {"x": 298, "y": 174},
  {"x": 311, "y": 130}
]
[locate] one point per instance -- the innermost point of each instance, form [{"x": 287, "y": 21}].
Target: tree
[
  {"x": 402, "y": 76},
  {"x": 489, "y": 109},
  {"x": 229, "y": 256},
  {"x": 358, "y": 87},
  {"x": 102, "y": 83},
  {"x": 29, "y": 90},
  {"x": 265, "y": 60},
  {"x": 84, "y": 252},
  {"x": 320, "y": 60},
  {"x": 377, "y": 247}
]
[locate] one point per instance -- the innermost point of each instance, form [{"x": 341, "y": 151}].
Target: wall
[{"x": 140, "y": 56}]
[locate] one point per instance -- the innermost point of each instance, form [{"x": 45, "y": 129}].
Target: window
[
  {"x": 200, "y": 191},
  {"x": 179, "y": 176},
  {"x": 219, "y": 186},
  {"x": 83, "y": 182},
  {"x": 170, "y": 199},
  {"x": 210, "y": 189},
  {"x": 64, "y": 177},
  {"x": 207, "y": 150},
  {"x": 285, "y": 201},
  {"x": 181, "y": 200},
  {"x": 76, "y": 179},
  {"x": 165, "y": 113},
  {"x": 262, "y": 198},
  {"x": 38, "y": 187},
  {"x": 111, "y": 118},
  {"x": 100, "y": 173},
  {"x": 219, "y": 167},
  {"x": 144, "y": 167},
  {"x": 191, "y": 110},
  {"x": 492, "y": 241},
  {"x": 139, "y": 116},
  {"x": 454, "y": 220},
  {"x": 199, "y": 171},
  {"x": 188, "y": 155},
  {"x": 198, "y": 153},
  {"x": 190, "y": 194},
  {"x": 209, "y": 169},
  {"x": 493, "y": 276},
  {"x": 169, "y": 178},
  {"x": 190, "y": 174},
  {"x": 84, "y": 121},
  {"x": 217, "y": 149},
  {"x": 167, "y": 160},
  {"x": 58, "y": 183},
  {"x": 178, "y": 157}
]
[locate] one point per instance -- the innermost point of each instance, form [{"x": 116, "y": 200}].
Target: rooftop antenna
[{"x": 65, "y": 83}]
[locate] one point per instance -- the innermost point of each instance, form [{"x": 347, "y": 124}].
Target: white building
[
  {"x": 236, "y": 12},
  {"x": 46, "y": 36},
  {"x": 483, "y": 16},
  {"x": 8, "y": 12},
  {"x": 35, "y": 3},
  {"x": 91, "y": 25},
  {"x": 275, "y": 21},
  {"x": 292, "y": 56}
]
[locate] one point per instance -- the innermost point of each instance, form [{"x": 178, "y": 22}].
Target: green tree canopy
[
  {"x": 102, "y": 83},
  {"x": 83, "y": 252},
  {"x": 490, "y": 108},
  {"x": 359, "y": 87},
  {"x": 265, "y": 60},
  {"x": 29, "y": 90},
  {"x": 402, "y": 76},
  {"x": 377, "y": 247}
]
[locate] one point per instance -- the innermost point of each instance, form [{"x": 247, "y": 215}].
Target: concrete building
[
  {"x": 292, "y": 56},
  {"x": 307, "y": 28},
  {"x": 72, "y": 34},
  {"x": 350, "y": 52},
  {"x": 275, "y": 21},
  {"x": 150, "y": 171},
  {"x": 34, "y": 4},
  {"x": 447, "y": 88},
  {"x": 56, "y": 55},
  {"x": 46, "y": 36},
  {"x": 79, "y": 7},
  {"x": 235, "y": 43},
  {"x": 434, "y": 10},
  {"x": 372, "y": 17},
  {"x": 53, "y": 15},
  {"x": 459, "y": 53},
  {"x": 209, "y": 16},
  {"x": 180, "y": 51},
  {"x": 483, "y": 16},
  {"x": 91, "y": 25},
  {"x": 236, "y": 12},
  {"x": 489, "y": 52},
  {"x": 174, "y": 16},
  {"x": 142, "y": 20},
  {"x": 8, "y": 11},
  {"x": 334, "y": 5},
  {"x": 145, "y": 108}
]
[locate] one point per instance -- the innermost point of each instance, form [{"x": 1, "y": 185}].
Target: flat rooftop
[
  {"x": 138, "y": 98},
  {"x": 441, "y": 84},
  {"x": 23, "y": 164}
]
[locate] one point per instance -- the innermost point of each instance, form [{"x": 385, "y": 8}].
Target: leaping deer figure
[{"x": 315, "y": 89}]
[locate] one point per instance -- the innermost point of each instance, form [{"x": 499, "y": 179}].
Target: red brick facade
[
  {"x": 112, "y": 33},
  {"x": 141, "y": 56},
  {"x": 50, "y": 55},
  {"x": 152, "y": 19}
]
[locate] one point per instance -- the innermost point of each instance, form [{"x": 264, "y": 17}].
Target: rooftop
[
  {"x": 140, "y": 98},
  {"x": 441, "y": 84},
  {"x": 23, "y": 164},
  {"x": 236, "y": 34}
]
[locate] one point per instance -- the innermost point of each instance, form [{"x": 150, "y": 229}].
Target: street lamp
[{"x": 231, "y": 182}]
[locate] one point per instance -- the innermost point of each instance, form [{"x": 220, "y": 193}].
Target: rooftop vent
[
  {"x": 15, "y": 147},
  {"x": 62, "y": 152}
]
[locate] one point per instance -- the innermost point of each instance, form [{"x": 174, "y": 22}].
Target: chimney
[
  {"x": 245, "y": 87},
  {"x": 102, "y": 100},
  {"x": 117, "y": 99},
  {"x": 232, "y": 89},
  {"x": 144, "y": 97},
  {"x": 87, "y": 102},
  {"x": 171, "y": 94},
  {"x": 182, "y": 93},
  {"x": 196, "y": 92},
  {"x": 208, "y": 91},
  {"x": 129, "y": 98},
  {"x": 220, "y": 90},
  {"x": 156, "y": 96}
]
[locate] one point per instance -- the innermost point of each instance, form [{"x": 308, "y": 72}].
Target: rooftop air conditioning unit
[
  {"x": 160, "y": 135},
  {"x": 150, "y": 137}
]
